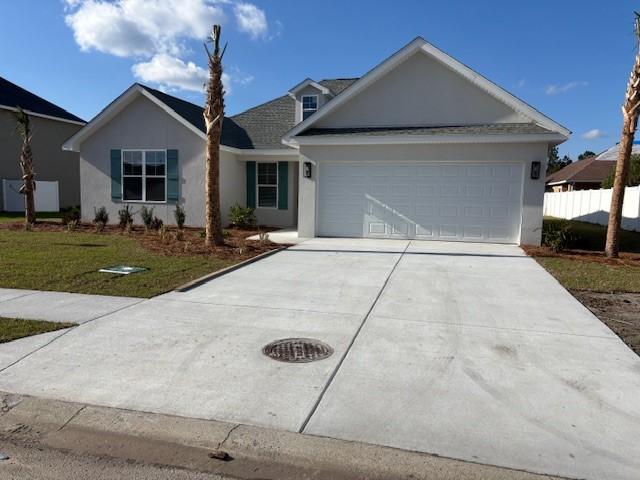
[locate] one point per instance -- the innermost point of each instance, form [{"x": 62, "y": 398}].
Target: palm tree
[
  {"x": 213, "y": 117},
  {"x": 630, "y": 112},
  {"x": 23, "y": 126}
]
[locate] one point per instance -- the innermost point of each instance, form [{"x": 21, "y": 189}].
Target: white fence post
[{"x": 593, "y": 206}]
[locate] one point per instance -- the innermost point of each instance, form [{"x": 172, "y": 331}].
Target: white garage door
[{"x": 430, "y": 201}]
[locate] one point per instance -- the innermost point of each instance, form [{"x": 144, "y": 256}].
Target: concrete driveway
[{"x": 469, "y": 351}]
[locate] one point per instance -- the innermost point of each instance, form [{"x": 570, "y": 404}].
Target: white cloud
[
  {"x": 135, "y": 28},
  {"x": 521, "y": 83},
  {"x": 593, "y": 134},
  {"x": 251, "y": 20},
  {"x": 154, "y": 33},
  {"x": 171, "y": 73},
  {"x": 557, "y": 89}
]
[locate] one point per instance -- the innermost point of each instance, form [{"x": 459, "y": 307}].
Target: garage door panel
[{"x": 421, "y": 200}]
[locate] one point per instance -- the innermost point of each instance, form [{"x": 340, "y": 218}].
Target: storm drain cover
[
  {"x": 122, "y": 269},
  {"x": 297, "y": 350}
]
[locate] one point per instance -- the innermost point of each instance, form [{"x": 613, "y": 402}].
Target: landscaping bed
[
  {"x": 609, "y": 287},
  {"x": 15, "y": 328},
  {"x": 51, "y": 257}
]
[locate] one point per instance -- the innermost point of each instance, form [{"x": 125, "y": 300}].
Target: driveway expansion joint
[{"x": 353, "y": 340}]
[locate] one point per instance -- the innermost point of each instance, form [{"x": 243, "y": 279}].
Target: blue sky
[{"x": 569, "y": 59}]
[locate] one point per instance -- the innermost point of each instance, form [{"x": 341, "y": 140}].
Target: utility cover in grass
[{"x": 122, "y": 269}]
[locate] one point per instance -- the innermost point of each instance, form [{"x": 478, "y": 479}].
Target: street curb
[
  {"x": 188, "y": 443},
  {"x": 218, "y": 273}
]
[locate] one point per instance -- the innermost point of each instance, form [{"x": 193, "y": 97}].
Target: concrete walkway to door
[{"x": 470, "y": 351}]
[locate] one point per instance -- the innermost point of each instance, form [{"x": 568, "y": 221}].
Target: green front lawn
[
  {"x": 583, "y": 265},
  {"x": 12, "y": 217},
  {"x": 69, "y": 262},
  {"x": 14, "y": 328}
]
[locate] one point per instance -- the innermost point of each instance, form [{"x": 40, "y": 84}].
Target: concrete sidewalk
[{"x": 59, "y": 306}]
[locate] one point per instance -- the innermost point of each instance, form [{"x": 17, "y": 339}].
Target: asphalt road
[{"x": 38, "y": 463}]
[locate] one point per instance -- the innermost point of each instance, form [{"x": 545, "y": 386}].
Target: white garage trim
[{"x": 453, "y": 201}]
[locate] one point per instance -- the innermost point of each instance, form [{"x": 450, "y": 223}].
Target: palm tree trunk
[
  {"x": 28, "y": 186},
  {"x": 213, "y": 116},
  {"x": 612, "y": 246},
  {"x": 630, "y": 111}
]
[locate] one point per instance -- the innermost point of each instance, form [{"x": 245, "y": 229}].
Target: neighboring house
[
  {"x": 51, "y": 126},
  {"x": 419, "y": 147},
  {"x": 584, "y": 174}
]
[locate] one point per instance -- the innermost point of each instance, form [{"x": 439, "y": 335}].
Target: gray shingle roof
[
  {"x": 488, "y": 129},
  {"x": 260, "y": 127},
  {"x": 612, "y": 153},
  {"x": 11, "y": 95}
]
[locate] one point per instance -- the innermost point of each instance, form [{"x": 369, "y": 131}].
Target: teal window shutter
[
  {"x": 251, "y": 184},
  {"x": 283, "y": 185},
  {"x": 173, "y": 176},
  {"x": 116, "y": 175}
]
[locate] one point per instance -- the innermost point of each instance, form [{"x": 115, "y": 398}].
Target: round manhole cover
[{"x": 297, "y": 350}]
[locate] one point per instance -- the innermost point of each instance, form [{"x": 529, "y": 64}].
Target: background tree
[
  {"x": 586, "y": 154},
  {"x": 633, "y": 176},
  {"x": 213, "y": 118},
  {"x": 630, "y": 123},
  {"x": 555, "y": 162},
  {"x": 28, "y": 188}
]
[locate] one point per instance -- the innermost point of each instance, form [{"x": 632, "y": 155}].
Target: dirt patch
[
  {"x": 619, "y": 311},
  {"x": 171, "y": 241},
  {"x": 628, "y": 259}
]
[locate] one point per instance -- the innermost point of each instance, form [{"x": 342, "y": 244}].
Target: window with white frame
[
  {"x": 267, "y": 184},
  {"x": 309, "y": 105},
  {"x": 144, "y": 175}
]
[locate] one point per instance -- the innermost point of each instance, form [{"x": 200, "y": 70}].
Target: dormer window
[{"x": 309, "y": 105}]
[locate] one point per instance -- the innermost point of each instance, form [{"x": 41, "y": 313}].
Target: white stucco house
[{"x": 420, "y": 147}]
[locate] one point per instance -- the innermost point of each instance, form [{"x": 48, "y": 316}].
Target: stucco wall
[
  {"x": 50, "y": 161},
  {"x": 533, "y": 190},
  {"x": 143, "y": 125},
  {"x": 421, "y": 91},
  {"x": 273, "y": 216}
]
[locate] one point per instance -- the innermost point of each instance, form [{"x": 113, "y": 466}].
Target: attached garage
[
  {"x": 479, "y": 202},
  {"x": 422, "y": 147}
]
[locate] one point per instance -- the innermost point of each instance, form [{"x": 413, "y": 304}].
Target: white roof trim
[
  {"x": 260, "y": 151},
  {"x": 427, "y": 139},
  {"x": 116, "y": 107},
  {"x": 466, "y": 72},
  {"x": 42, "y": 115},
  {"x": 306, "y": 83}
]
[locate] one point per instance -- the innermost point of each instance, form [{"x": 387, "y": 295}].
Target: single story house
[
  {"x": 420, "y": 147},
  {"x": 51, "y": 126},
  {"x": 586, "y": 174}
]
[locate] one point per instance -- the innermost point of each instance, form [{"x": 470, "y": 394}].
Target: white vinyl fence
[
  {"x": 46, "y": 197},
  {"x": 593, "y": 206}
]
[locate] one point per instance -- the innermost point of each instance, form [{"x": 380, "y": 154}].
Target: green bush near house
[{"x": 242, "y": 217}]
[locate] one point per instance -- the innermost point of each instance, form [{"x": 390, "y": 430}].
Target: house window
[
  {"x": 267, "y": 183},
  {"x": 144, "y": 175},
  {"x": 309, "y": 105}
]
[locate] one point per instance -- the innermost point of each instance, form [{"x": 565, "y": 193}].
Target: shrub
[
  {"x": 100, "y": 218},
  {"x": 155, "y": 224},
  {"x": 556, "y": 235},
  {"x": 147, "y": 217},
  {"x": 180, "y": 216},
  {"x": 242, "y": 217},
  {"x": 71, "y": 215},
  {"x": 125, "y": 217}
]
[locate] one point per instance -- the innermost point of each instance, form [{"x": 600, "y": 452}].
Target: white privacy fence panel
[
  {"x": 46, "y": 197},
  {"x": 593, "y": 206}
]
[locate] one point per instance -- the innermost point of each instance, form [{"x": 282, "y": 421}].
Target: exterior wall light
[
  {"x": 535, "y": 170},
  {"x": 306, "y": 172}
]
